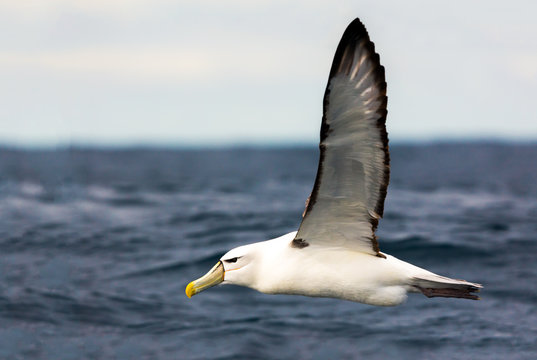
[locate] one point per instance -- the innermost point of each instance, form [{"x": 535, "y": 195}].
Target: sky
[{"x": 213, "y": 72}]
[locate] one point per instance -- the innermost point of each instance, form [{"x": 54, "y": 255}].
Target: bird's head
[{"x": 238, "y": 266}]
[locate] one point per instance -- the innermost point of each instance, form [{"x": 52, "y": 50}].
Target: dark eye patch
[{"x": 232, "y": 260}]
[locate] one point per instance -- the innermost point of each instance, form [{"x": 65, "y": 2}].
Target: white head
[
  {"x": 238, "y": 266},
  {"x": 246, "y": 265}
]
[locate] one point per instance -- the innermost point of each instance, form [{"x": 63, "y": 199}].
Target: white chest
[{"x": 333, "y": 273}]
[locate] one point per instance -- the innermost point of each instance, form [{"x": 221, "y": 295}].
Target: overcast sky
[{"x": 226, "y": 72}]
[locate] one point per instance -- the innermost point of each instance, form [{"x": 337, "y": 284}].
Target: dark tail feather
[
  {"x": 440, "y": 286},
  {"x": 450, "y": 292}
]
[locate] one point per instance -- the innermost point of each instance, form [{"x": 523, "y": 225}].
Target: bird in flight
[{"x": 335, "y": 252}]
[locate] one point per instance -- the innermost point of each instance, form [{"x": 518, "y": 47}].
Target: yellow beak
[{"x": 214, "y": 277}]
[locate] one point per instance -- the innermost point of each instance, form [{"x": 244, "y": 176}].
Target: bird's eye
[{"x": 232, "y": 260}]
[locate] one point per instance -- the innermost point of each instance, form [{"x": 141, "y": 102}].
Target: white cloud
[
  {"x": 32, "y": 9},
  {"x": 525, "y": 66},
  {"x": 141, "y": 68},
  {"x": 151, "y": 63}
]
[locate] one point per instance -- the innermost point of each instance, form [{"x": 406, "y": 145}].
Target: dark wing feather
[{"x": 352, "y": 179}]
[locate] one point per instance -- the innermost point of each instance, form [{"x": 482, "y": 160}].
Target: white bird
[{"x": 335, "y": 252}]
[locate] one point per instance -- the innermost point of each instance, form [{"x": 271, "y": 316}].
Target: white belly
[{"x": 338, "y": 274}]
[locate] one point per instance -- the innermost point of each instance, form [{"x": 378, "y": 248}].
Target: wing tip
[
  {"x": 353, "y": 36},
  {"x": 355, "y": 29}
]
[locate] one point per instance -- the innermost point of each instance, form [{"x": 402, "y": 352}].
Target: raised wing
[{"x": 348, "y": 196}]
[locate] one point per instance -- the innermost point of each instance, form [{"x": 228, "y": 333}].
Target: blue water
[{"x": 97, "y": 247}]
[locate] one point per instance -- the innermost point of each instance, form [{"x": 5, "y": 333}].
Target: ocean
[{"x": 97, "y": 246}]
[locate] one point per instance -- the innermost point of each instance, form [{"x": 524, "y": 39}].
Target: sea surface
[{"x": 97, "y": 246}]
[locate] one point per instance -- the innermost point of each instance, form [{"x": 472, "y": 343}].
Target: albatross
[{"x": 335, "y": 252}]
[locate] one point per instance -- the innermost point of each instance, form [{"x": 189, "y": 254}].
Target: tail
[{"x": 432, "y": 285}]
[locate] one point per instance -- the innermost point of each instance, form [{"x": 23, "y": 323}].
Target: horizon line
[{"x": 201, "y": 145}]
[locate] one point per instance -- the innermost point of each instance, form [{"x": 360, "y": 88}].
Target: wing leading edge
[{"x": 352, "y": 179}]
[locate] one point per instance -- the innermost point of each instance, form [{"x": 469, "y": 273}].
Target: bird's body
[
  {"x": 332, "y": 272},
  {"x": 335, "y": 252}
]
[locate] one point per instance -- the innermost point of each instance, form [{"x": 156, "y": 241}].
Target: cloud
[
  {"x": 150, "y": 63},
  {"x": 525, "y": 66},
  {"x": 32, "y": 9},
  {"x": 141, "y": 63},
  {"x": 257, "y": 69}
]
